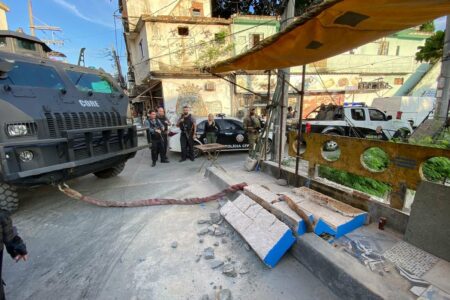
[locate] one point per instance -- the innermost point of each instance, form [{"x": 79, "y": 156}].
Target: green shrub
[
  {"x": 375, "y": 159},
  {"x": 360, "y": 183},
  {"x": 436, "y": 169}
]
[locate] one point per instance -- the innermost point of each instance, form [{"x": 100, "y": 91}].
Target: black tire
[
  {"x": 331, "y": 146},
  {"x": 9, "y": 198},
  {"x": 111, "y": 172}
]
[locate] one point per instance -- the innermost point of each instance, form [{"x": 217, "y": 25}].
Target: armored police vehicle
[{"x": 58, "y": 120}]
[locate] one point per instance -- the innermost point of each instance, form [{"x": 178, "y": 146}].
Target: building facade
[
  {"x": 169, "y": 41},
  {"x": 167, "y": 44}
]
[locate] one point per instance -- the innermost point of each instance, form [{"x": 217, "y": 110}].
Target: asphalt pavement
[{"x": 79, "y": 251}]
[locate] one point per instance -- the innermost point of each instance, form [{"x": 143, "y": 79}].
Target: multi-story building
[
  {"x": 383, "y": 68},
  {"x": 169, "y": 41}
]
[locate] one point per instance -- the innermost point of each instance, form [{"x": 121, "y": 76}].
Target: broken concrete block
[
  {"x": 330, "y": 215},
  {"x": 270, "y": 201},
  {"x": 266, "y": 235},
  {"x": 300, "y": 224}
]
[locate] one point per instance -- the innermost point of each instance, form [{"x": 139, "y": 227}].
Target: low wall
[{"x": 396, "y": 219}]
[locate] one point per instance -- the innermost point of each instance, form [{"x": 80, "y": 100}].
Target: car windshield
[
  {"x": 33, "y": 75},
  {"x": 91, "y": 82}
]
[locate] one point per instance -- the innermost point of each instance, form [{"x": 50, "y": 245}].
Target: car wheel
[
  {"x": 111, "y": 172},
  {"x": 331, "y": 145},
  {"x": 9, "y": 198}
]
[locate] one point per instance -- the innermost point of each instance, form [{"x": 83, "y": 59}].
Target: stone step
[
  {"x": 266, "y": 235},
  {"x": 330, "y": 216},
  {"x": 280, "y": 209}
]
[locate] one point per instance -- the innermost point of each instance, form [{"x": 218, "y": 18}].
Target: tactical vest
[{"x": 187, "y": 124}]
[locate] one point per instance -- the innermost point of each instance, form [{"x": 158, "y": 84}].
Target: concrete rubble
[{"x": 208, "y": 253}]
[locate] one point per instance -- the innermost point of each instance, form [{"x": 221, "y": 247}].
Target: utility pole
[
  {"x": 30, "y": 15},
  {"x": 443, "y": 89},
  {"x": 280, "y": 118},
  {"x": 44, "y": 27},
  {"x": 120, "y": 77}
]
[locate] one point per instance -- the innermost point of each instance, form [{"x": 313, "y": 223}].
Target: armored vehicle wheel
[
  {"x": 111, "y": 172},
  {"x": 9, "y": 199}
]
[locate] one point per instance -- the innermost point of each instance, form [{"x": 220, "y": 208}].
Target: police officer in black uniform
[
  {"x": 154, "y": 130},
  {"x": 166, "y": 123},
  {"x": 188, "y": 127}
]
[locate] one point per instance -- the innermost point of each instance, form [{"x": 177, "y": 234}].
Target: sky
[{"x": 84, "y": 23}]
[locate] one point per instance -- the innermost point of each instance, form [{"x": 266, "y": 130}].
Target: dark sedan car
[{"x": 231, "y": 134}]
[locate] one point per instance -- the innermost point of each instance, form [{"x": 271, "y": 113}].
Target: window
[
  {"x": 376, "y": 115},
  {"x": 210, "y": 86},
  {"x": 237, "y": 125},
  {"x": 225, "y": 125},
  {"x": 383, "y": 48},
  {"x": 358, "y": 114},
  {"x": 197, "y": 9},
  {"x": 141, "y": 48},
  {"x": 183, "y": 31},
  {"x": 91, "y": 82},
  {"x": 398, "y": 81},
  {"x": 201, "y": 126},
  {"x": 34, "y": 75},
  {"x": 25, "y": 44},
  {"x": 255, "y": 39},
  {"x": 397, "y": 52}
]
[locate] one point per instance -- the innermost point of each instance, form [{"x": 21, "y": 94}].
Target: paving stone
[
  {"x": 216, "y": 263},
  {"x": 269, "y": 246},
  {"x": 208, "y": 253},
  {"x": 412, "y": 259}
]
